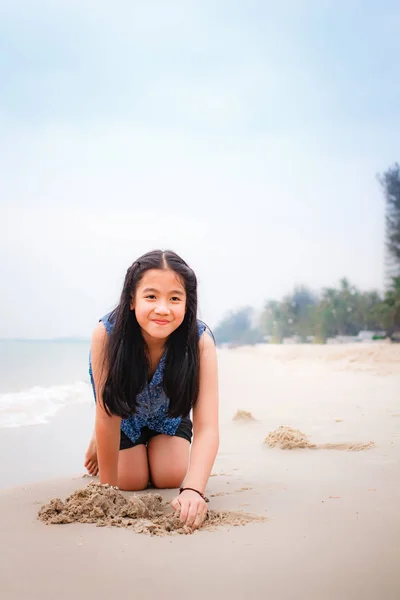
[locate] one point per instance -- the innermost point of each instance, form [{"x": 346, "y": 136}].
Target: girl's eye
[
  {"x": 175, "y": 299},
  {"x": 150, "y": 296}
]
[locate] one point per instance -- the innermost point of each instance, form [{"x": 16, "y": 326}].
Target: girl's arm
[
  {"x": 107, "y": 427},
  {"x": 205, "y": 419}
]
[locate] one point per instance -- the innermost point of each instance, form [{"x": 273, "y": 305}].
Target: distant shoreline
[{"x": 66, "y": 340}]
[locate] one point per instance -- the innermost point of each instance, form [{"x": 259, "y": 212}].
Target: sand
[
  {"x": 380, "y": 358},
  {"x": 332, "y": 525},
  {"x": 243, "y": 415},
  {"x": 288, "y": 438},
  {"x": 104, "y": 505}
]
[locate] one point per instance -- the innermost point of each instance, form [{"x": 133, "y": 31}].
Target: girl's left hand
[{"x": 191, "y": 507}]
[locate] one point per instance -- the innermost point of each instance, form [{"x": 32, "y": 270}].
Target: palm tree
[
  {"x": 390, "y": 181},
  {"x": 389, "y": 310}
]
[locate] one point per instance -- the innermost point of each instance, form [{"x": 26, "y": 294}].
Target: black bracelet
[{"x": 193, "y": 490}]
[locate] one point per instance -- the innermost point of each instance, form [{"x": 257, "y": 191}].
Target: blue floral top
[{"x": 152, "y": 402}]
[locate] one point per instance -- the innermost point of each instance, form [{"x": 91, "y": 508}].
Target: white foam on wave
[{"x": 36, "y": 405}]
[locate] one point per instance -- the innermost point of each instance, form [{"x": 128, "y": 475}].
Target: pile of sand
[
  {"x": 105, "y": 505},
  {"x": 243, "y": 415},
  {"x": 287, "y": 438}
]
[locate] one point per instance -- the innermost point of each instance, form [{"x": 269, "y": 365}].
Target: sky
[{"x": 246, "y": 136}]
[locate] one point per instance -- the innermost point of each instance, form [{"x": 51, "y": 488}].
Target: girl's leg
[
  {"x": 133, "y": 469},
  {"x": 167, "y": 457},
  {"x": 168, "y": 460}
]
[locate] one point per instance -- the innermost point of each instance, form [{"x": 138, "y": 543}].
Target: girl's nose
[{"x": 161, "y": 309}]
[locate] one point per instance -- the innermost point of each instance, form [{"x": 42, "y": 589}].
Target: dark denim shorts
[{"x": 185, "y": 431}]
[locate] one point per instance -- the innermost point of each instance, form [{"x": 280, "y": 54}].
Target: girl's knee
[
  {"x": 133, "y": 480},
  {"x": 170, "y": 479},
  {"x": 133, "y": 470},
  {"x": 168, "y": 461},
  {"x": 133, "y": 484}
]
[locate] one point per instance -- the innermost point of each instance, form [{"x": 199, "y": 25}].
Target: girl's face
[{"x": 159, "y": 303}]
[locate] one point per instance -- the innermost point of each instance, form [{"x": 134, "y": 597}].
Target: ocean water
[{"x": 37, "y": 378}]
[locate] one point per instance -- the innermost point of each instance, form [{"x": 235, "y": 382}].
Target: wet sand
[{"x": 332, "y": 528}]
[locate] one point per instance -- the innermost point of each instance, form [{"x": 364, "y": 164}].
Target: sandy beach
[{"x": 333, "y": 525}]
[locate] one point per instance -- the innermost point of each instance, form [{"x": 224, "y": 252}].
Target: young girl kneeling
[{"x": 151, "y": 363}]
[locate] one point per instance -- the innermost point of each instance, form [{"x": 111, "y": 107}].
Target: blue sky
[{"x": 247, "y": 136}]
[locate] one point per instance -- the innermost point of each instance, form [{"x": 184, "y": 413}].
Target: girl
[{"x": 150, "y": 364}]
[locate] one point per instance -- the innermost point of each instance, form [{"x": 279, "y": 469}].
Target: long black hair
[{"x": 128, "y": 364}]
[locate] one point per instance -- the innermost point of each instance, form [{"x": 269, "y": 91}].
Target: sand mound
[
  {"x": 287, "y": 438},
  {"x": 243, "y": 415},
  {"x": 105, "y": 505}
]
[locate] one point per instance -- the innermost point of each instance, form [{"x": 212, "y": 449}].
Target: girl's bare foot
[{"x": 91, "y": 463}]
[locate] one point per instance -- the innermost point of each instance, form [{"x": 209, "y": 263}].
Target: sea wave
[{"x": 38, "y": 404}]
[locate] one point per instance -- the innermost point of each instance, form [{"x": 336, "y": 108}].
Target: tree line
[{"x": 336, "y": 311}]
